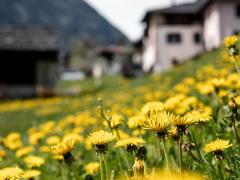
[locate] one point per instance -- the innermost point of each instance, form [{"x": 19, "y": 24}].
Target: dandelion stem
[
  {"x": 234, "y": 118},
  {"x": 139, "y": 132},
  {"x": 74, "y": 168},
  {"x": 221, "y": 169},
  {"x": 119, "y": 159},
  {"x": 117, "y": 132},
  {"x": 235, "y": 129},
  {"x": 126, "y": 160},
  {"x": 236, "y": 64},
  {"x": 180, "y": 142},
  {"x": 158, "y": 150},
  {"x": 203, "y": 139},
  {"x": 106, "y": 167},
  {"x": 62, "y": 170},
  {"x": 165, "y": 154},
  {"x": 101, "y": 167}
]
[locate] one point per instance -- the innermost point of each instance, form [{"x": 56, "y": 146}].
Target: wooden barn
[{"x": 28, "y": 61}]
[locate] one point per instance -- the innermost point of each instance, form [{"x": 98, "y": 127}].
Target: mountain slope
[{"x": 74, "y": 18}]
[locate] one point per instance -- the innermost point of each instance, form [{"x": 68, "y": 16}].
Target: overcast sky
[{"x": 127, "y": 14}]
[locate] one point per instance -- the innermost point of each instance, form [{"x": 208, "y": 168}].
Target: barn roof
[{"x": 29, "y": 38}]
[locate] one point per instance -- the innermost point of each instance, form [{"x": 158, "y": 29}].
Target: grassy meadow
[{"x": 180, "y": 124}]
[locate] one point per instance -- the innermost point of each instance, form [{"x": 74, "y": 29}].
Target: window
[
  {"x": 174, "y": 38},
  {"x": 197, "y": 38},
  {"x": 238, "y": 10}
]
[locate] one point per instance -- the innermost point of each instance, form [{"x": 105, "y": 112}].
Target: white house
[{"x": 180, "y": 32}]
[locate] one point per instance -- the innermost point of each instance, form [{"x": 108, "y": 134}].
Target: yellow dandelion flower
[
  {"x": 2, "y": 153},
  {"x": 158, "y": 122},
  {"x": 205, "y": 88},
  {"x": 92, "y": 168},
  {"x": 36, "y": 137},
  {"x": 230, "y": 41},
  {"x": 223, "y": 93},
  {"x": 198, "y": 116},
  {"x": 181, "y": 121},
  {"x": 10, "y": 173},
  {"x": 116, "y": 121},
  {"x": 152, "y": 108},
  {"x": 31, "y": 174},
  {"x": 101, "y": 137},
  {"x": 130, "y": 143},
  {"x": 48, "y": 127},
  {"x": 168, "y": 175},
  {"x": 237, "y": 100},
  {"x": 13, "y": 141},
  {"x": 218, "y": 82},
  {"x": 77, "y": 137},
  {"x": 77, "y": 130},
  {"x": 34, "y": 161},
  {"x": 24, "y": 151},
  {"x": 136, "y": 121},
  {"x": 52, "y": 140},
  {"x": 64, "y": 147},
  {"x": 217, "y": 146},
  {"x": 44, "y": 149}
]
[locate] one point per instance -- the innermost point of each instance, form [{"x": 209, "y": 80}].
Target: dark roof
[
  {"x": 187, "y": 8},
  {"x": 29, "y": 38}
]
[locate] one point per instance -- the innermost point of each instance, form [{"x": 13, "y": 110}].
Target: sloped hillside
[
  {"x": 181, "y": 123},
  {"x": 114, "y": 89},
  {"x": 75, "y": 18}
]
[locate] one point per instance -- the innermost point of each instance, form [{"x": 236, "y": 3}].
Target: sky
[{"x": 126, "y": 15}]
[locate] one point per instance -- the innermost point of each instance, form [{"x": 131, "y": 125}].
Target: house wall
[
  {"x": 211, "y": 30},
  {"x": 150, "y": 43},
  {"x": 220, "y": 20},
  {"x": 187, "y": 48},
  {"x": 229, "y": 22}
]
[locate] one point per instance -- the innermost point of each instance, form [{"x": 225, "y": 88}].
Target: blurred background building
[
  {"x": 180, "y": 32},
  {"x": 29, "y": 59},
  {"x": 40, "y": 40}
]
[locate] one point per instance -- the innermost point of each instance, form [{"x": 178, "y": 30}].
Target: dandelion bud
[
  {"x": 138, "y": 167},
  {"x": 232, "y": 105},
  {"x": 189, "y": 146}
]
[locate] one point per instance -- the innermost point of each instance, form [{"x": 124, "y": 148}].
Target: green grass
[
  {"x": 126, "y": 97},
  {"x": 24, "y": 119}
]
